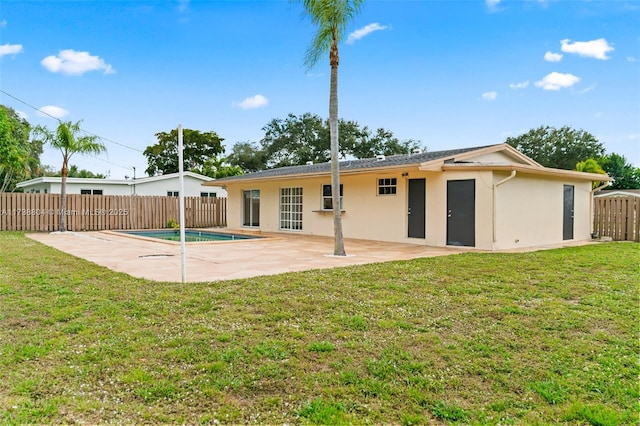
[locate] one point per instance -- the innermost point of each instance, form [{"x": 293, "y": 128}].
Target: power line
[
  {"x": 60, "y": 121},
  {"x": 85, "y": 131}
]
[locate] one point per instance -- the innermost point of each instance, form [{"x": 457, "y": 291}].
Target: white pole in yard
[{"x": 183, "y": 254}]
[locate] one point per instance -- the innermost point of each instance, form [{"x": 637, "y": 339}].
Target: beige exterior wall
[
  {"x": 437, "y": 207},
  {"x": 366, "y": 215},
  {"x": 528, "y": 209},
  {"x": 494, "y": 157}
]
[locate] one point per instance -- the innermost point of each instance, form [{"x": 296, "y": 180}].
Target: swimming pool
[{"x": 190, "y": 235}]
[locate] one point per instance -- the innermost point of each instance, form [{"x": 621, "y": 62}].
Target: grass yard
[{"x": 527, "y": 338}]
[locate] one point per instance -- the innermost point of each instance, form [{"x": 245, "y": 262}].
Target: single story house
[
  {"x": 163, "y": 185},
  {"x": 490, "y": 197}
]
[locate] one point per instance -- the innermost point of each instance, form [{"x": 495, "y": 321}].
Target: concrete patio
[{"x": 225, "y": 260}]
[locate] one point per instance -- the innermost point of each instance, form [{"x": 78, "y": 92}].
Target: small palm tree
[
  {"x": 67, "y": 140},
  {"x": 331, "y": 17}
]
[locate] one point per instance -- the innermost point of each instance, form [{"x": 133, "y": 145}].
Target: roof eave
[
  {"x": 324, "y": 173},
  {"x": 528, "y": 169}
]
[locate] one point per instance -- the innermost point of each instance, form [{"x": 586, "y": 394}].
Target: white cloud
[
  {"x": 591, "y": 49},
  {"x": 75, "y": 63},
  {"x": 552, "y": 57},
  {"x": 252, "y": 102},
  {"x": 557, "y": 81},
  {"x": 490, "y": 96},
  {"x": 22, "y": 114},
  {"x": 587, "y": 89},
  {"x": 3, "y": 23},
  {"x": 10, "y": 49},
  {"x": 631, "y": 59},
  {"x": 521, "y": 85},
  {"x": 366, "y": 30},
  {"x": 634, "y": 136},
  {"x": 52, "y": 111},
  {"x": 492, "y": 4}
]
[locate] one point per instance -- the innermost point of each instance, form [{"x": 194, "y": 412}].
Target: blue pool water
[{"x": 190, "y": 236}]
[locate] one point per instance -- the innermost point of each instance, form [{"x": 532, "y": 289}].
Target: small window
[
  {"x": 209, "y": 194},
  {"x": 173, "y": 193},
  {"x": 89, "y": 191},
  {"x": 45, "y": 190},
  {"x": 327, "y": 200},
  {"x": 387, "y": 186}
]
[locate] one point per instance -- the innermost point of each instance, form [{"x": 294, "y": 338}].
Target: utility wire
[{"x": 60, "y": 121}]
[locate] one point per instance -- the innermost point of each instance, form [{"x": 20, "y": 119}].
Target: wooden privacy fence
[
  {"x": 617, "y": 217},
  {"x": 40, "y": 212}
]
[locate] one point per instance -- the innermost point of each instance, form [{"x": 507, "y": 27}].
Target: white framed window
[
  {"x": 251, "y": 207},
  {"x": 173, "y": 193},
  {"x": 291, "y": 208},
  {"x": 327, "y": 199},
  {"x": 387, "y": 186},
  {"x": 209, "y": 194}
]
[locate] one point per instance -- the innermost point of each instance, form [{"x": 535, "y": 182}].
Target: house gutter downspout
[
  {"x": 495, "y": 186},
  {"x": 603, "y": 186}
]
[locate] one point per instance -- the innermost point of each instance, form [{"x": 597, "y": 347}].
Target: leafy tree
[
  {"x": 218, "y": 168},
  {"x": 591, "y": 165},
  {"x": 19, "y": 156},
  {"x": 624, "y": 175},
  {"x": 198, "y": 148},
  {"x": 561, "y": 148},
  {"x": 248, "y": 156},
  {"x": 331, "y": 18},
  {"x": 381, "y": 142},
  {"x": 296, "y": 140},
  {"x": 68, "y": 141}
]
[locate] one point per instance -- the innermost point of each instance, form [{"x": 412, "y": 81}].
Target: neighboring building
[
  {"x": 618, "y": 193},
  {"x": 168, "y": 184},
  {"x": 490, "y": 198}
]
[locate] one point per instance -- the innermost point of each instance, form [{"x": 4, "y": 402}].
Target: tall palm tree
[
  {"x": 68, "y": 141},
  {"x": 331, "y": 17}
]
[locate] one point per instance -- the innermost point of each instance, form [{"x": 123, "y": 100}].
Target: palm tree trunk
[
  {"x": 62, "y": 224},
  {"x": 338, "y": 247}
]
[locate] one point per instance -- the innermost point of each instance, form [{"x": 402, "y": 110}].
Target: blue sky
[{"x": 450, "y": 74}]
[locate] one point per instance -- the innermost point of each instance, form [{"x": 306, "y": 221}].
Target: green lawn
[{"x": 527, "y": 338}]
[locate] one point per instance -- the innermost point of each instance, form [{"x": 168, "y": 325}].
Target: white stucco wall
[
  {"x": 144, "y": 186},
  {"x": 192, "y": 187}
]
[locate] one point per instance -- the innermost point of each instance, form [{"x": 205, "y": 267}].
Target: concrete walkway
[{"x": 211, "y": 261}]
